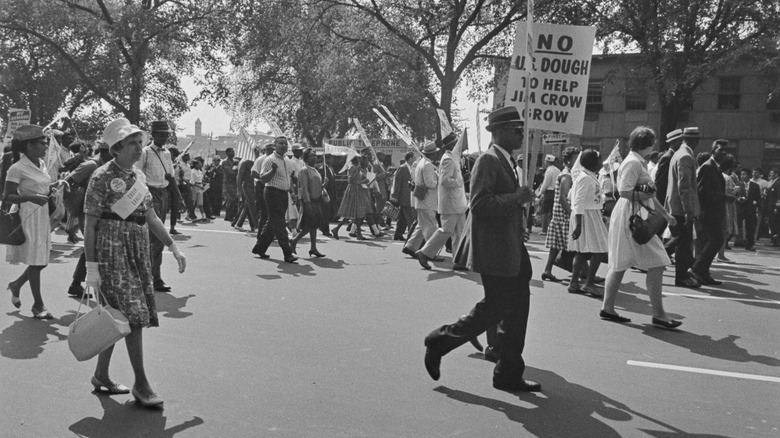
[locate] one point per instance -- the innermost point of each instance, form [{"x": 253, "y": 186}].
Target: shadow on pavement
[
  {"x": 327, "y": 263},
  {"x": 171, "y": 306},
  {"x": 628, "y": 299},
  {"x": 704, "y": 345},
  {"x": 565, "y": 409},
  {"x": 25, "y": 338},
  {"x": 128, "y": 420}
]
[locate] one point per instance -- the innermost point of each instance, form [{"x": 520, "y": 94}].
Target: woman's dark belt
[{"x": 140, "y": 220}]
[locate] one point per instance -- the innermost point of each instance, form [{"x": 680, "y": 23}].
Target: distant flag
[
  {"x": 479, "y": 129},
  {"x": 245, "y": 145}
]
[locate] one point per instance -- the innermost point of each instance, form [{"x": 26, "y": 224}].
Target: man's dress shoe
[
  {"x": 519, "y": 386},
  {"x": 409, "y": 252},
  {"x": 423, "y": 259},
  {"x": 491, "y": 354},
  {"x": 688, "y": 282},
  {"x": 162, "y": 287},
  {"x": 432, "y": 363}
]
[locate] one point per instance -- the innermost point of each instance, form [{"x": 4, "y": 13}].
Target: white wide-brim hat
[{"x": 119, "y": 130}]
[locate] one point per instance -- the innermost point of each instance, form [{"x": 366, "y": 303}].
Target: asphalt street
[{"x": 333, "y": 347}]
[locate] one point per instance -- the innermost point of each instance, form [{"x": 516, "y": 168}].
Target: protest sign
[
  {"x": 16, "y": 117},
  {"x": 558, "y": 83}
]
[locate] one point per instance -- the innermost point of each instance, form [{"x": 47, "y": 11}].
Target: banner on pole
[
  {"x": 558, "y": 80},
  {"x": 444, "y": 123}
]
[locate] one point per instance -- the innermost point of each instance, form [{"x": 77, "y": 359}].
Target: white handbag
[{"x": 96, "y": 330}]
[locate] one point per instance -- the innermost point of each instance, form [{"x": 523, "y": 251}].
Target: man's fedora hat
[
  {"x": 429, "y": 147},
  {"x": 504, "y": 117},
  {"x": 450, "y": 140},
  {"x": 674, "y": 135},
  {"x": 161, "y": 126}
]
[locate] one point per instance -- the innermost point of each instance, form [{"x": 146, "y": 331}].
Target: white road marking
[
  {"x": 708, "y": 297},
  {"x": 704, "y": 371}
]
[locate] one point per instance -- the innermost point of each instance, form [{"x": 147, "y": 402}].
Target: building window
[
  {"x": 595, "y": 101},
  {"x": 636, "y": 95},
  {"x": 728, "y": 93}
]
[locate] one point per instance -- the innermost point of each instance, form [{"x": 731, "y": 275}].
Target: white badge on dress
[{"x": 131, "y": 200}]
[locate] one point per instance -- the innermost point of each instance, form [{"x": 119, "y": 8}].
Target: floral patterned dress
[{"x": 122, "y": 247}]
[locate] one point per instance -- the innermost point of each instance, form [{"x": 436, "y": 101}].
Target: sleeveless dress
[
  {"x": 624, "y": 252},
  {"x": 122, "y": 247},
  {"x": 558, "y": 230}
]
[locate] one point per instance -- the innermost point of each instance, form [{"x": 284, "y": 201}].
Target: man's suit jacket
[
  {"x": 425, "y": 174},
  {"x": 401, "y": 191},
  {"x": 772, "y": 195},
  {"x": 752, "y": 197},
  {"x": 712, "y": 191},
  {"x": 682, "y": 195},
  {"x": 662, "y": 174},
  {"x": 452, "y": 194},
  {"x": 496, "y": 246}
]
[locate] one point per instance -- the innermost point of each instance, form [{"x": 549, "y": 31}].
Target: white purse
[{"x": 96, "y": 330}]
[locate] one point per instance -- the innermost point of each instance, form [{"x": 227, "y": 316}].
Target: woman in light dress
[
  {"x": 634, "y": 182},
  {"x": 28, "y": 186},
  {"x": 589, "y": 237}
]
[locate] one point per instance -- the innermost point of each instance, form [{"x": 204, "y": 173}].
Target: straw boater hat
[
  {"x": 692, "y": 132},
  {"x": 549, "y": 158},
  {"x": 504, "y": 117},
  {"x": 674, "y": 135},
  {"x": 28, "y": 132},
  {"x": 119, "y": 130}
]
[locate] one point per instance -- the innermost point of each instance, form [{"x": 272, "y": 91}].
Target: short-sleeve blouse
[
  {"x": 586, "y": 193},
  {"x": 632, "y": 171},
  {"x": 108, "y": 184}
]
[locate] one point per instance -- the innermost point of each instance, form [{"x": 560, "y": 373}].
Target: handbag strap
[{"x": 84, "y": 299}]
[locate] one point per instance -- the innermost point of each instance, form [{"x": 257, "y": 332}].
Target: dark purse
[
  {"x": 642, "y": 230},
  {"x": 11, "y": 232}
]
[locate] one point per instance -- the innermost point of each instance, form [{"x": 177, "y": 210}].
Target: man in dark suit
[
  {"x": 772, "y": 205},
  {"x": 750, "y": 203},
  {"x": 712, "y": 200},
  {"x": 497, "y": 252},
  {"x": 401, "y": 196}
]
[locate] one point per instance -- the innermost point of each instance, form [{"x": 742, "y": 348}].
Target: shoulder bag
[
  {"x": 642, "y": 230},
  {"x": 96, "y": 330},
  {"x": 11, "y": 232}
]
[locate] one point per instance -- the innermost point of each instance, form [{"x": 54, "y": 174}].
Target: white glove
[
  {"x": 93, "y": 275},
  {"x": 179, "y": 256}
]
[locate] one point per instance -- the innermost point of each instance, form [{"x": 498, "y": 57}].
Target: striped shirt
[{"x": 281, "y": 179}]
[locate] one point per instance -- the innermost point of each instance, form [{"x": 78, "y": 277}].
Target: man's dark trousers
[
  {"x": 682, "y": 233},
  {"x": 710, "y": 238},
  {"x": 506, "y": 303},
  {"x": 262, "y": 208},
  {"x": 160, "y": 201},
  {"x": 277, "y": 202}
]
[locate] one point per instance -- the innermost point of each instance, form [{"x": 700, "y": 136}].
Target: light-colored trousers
[
  {"x": 426, "y": 227},
  {"x": 451, "y": 226}
]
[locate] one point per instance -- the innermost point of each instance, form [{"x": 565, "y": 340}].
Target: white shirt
[
  {"x": 155, "y": 168},
  {"x": 550, "y": 177}
]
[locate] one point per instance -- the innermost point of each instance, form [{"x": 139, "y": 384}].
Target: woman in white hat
[
  {"x": 28, "y": 184},
  {"x": 116, "y": 244}
]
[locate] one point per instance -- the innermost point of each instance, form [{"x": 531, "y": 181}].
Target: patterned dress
[
  {"x": 558, "y": 230},
  {"x": 357, "y": 199},
  {"x": 122, "y": 247}
]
